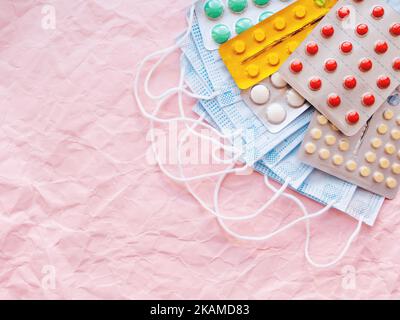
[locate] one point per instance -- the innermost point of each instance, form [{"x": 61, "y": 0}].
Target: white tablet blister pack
[
  {"x": 350, "y": 63},
  {"x": 274, "y": 102},
  {"x": 221, "y": 20},
  {"x": 370, "y": 159}
]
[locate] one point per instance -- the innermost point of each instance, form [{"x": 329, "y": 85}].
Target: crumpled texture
[{"x": 84, "y": 215}]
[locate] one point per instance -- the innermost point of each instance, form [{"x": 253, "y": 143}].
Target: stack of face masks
[{"x": 274, "y": 155}]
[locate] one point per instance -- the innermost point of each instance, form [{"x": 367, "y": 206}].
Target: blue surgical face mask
[
  {"x": 279, "y": 162},
  {"x": 395, "y": 4}
]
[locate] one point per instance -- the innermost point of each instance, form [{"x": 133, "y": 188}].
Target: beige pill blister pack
[
  {"x": 274, "y": 102},
  {"x": 370, "y": 159},
  {"x": 350, "y": 63},
  {"x": 221, "y": 20}
]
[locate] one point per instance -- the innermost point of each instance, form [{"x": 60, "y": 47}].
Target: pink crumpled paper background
[{"x": 84, "y": 215}]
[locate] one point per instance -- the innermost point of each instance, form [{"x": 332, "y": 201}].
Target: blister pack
[
  {"x": 260, "y": 51},
  {"x": 274, "y": 102},
  {"x": 350, "y": 63},
  {"x": 369, "y": 159},
  {"x": 221, "y": 20}
]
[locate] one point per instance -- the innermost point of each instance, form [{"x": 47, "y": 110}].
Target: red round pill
[
  {"x": 383, "y": 82},
  {"x": 381, "y": 47},
  {"x": 396, "y": 64},
  {"x": 378, "y": 12},
  {"x": 327, "y": 31},
  {"x": 343, "y": 12},
  {"x": 368, "y": 99},
  {"x": 334, "y": 100},
  {"x": 350, "y": 82},
  {"x": 365, "y": 64},
  {"x": 296, "y": 66},
  {"x": 315, "y": 83},
  {"x": 346, "y": 47},
  {"x": 352, "y": 117},
  {"x": 395, "y": 29},
  {"x": 312, "y": 48},
  {"x": 362, "y": 29},
  {"x": 330, "y": 65}
]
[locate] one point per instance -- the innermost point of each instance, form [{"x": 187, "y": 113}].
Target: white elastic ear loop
[
  {"x": 278, "y": 193},
  {"x": 164, "y": 53},
  {"x": 218, "y": 186},
  {"x": 190, "y": 129},
  {"x": 176, "y": 178},
  {"x": 185, "y": 119},
  {"x": 352, "y": 237},
  {"x": 196, "y": 123},
  {"x": 308, "y": 233}
]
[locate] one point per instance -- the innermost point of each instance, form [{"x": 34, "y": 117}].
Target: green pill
[
  {"x": 265, "y": 15},
  {"x": 214, "y": 9},
  {"x": 261, "y": 3},
  {"x": 237, "y": 6},
  {"x": 242, "y": 25},
  {"x": 220, "y": 33},
  {"x": 320, "y": 3}
]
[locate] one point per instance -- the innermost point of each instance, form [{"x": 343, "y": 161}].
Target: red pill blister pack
[{"x": 350, "y": 63}]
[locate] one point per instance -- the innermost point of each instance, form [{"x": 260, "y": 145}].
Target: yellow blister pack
[{"x": 259, "y": 52}]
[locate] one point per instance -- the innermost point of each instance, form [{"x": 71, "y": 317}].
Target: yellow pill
[
  {"x": 324, "y": 154},
  {"x": 376, "y": 143},
  {"x": 279, "y": 24},
  {"x": 322, "y": 120},
  {"x": 384, "y": 163},
  {"x": 330, "y": 140},
  {"x": 253, "y": 70},
  {"x": 370, "y": 157},
  {"x": 398, "y": 120},
  {"x": 300, "y": 12},
  {"x": 395, "y": 134},
  {"x": 388, "y": 114},
  {"x": 365, "y": 171},
  {"x": 382, "y": 129},
  {"x": 310, "y": 148},
  {"x": 391, "y": 183},
  {"x": 259, "y": 35},
  {"x": 378, "y": 177},
  {"x": 344, "y": 145},
  {"x": 351, "y": 165},
  {"x": 292, "y": 46},
  {"x": 316, "y": 133},
  {"x": 398, "y": 155},
  {"x": 273, "y": 59},
  {"x": 390, "y": 149},
  {"x": 396, "y": 168},
  {"x": 239, "y": 46},
  {"x": 337, "y": 159}
]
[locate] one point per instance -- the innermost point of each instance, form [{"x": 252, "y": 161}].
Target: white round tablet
[
  {"x": 259, "y": 94},
  {"x": 294, "y": 99},
  {"x": 276, "y": 113},
  {"x": 278, "y": 81}
]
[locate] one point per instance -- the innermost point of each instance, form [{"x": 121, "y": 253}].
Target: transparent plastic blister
[
  {"x": 348, "y": 74},
  {"x": 370, "y": 159},
  {"x": 274, "y": 102},
  {"x": 222, "y": 19}
]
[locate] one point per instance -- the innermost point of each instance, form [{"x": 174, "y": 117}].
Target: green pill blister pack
[{"x": 221, "y": 20}]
